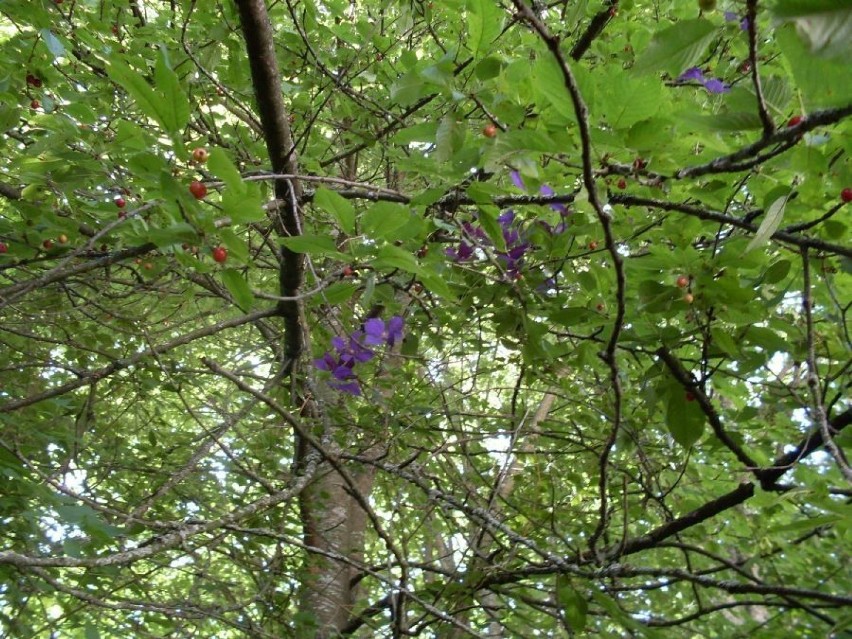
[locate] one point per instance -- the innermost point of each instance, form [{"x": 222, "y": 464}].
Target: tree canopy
[{"x": 459, "y": 318}]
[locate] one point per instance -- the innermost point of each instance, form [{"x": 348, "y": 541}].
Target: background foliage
[{"x": 614, "y": 233}]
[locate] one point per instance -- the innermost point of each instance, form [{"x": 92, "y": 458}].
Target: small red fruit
[
  {"x": 639, "y": 164},
  {"x": 147, "y": 266},
  {"x": 489, "y": 131},
  {"x": 198, "y": 189},
  {"x": 35, "y": 104},
  {"x": 794, "y": 120},
  {"x": 600, "y": 307},
  {"x": 3, "y": 247},
  {"x": 622, "y": 184},
  {"x": 690, "y": 396},
  {"x": 682, "y": 281},
  {"x": 200, "y": 155},
  {"x": 688, "y": 298},
  {"x": 423, "y": 251},
  {"x": 48, "y": 244},
  {"x": 220, "y": 254},
  {"x": 846, "y": 195},
  {"x": 63, "y": 239},
  {"x": 33, "y": 81},
  {"x": 593, "y": 245},
  {"x": 348, "y": 271},
  {"x": 121, "y": 202}
]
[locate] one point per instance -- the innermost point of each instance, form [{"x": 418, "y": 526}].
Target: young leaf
[
  {"x": 677, "y": 48},
  {"x": 771, "y": 222},
  {"x": 238, "y": 288},
  {"x": 338, "y": 207}
]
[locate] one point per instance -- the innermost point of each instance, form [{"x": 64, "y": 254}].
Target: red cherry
[
  {"x": 593, "y": 245},
  {"x": 622, "y": 184},
  {"x": 48, "y": 244},
  {"x": 220, "y": 254},
  {"x": 600, "y": 307},
  {"x": 794, "y": 120},
  {"x": 846, "y": 195},
  {"x": 35, "y": 104},
  {"x": 200, "y": 155},
  {"x": 198, "y": 190},
  {"x": 489, "y": 131},
  {"x": 688, "y": 298},
  {"x": 682, "y": 281},
  {"x": 348, "y": 271},
  {"x": 639, "y": 164},
  {"x": 690, "y": 396},
  {"x": 3, "y": 247},
  {"x": 121, "y": 202}
]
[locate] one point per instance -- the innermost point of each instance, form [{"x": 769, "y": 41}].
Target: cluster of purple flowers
[
  {"x": 713, "y": 85},
  {"x": 356, "y": 349},
  {"x": 513, "y": 235}
]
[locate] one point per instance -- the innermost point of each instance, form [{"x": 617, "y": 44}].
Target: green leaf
[
  {"x": 549, "y": 82},
  {"x": 393, "y": 257},
  {"x": 338, "y": 207},
  {"x": 383, "y": 219},
  {"x": 220, "y": 164},
  {"x": 484, "y": 24},
  {"x": 626, "y": 100},
  {"x": 138, "y": 89},
  {"x": 684, "y": 419},
  {"x": 313, "y": 245},
  {"x": 174, "y": 105},
  {"x": 771, "y": 222},
  {"x": 573, "y": 603},
  {"x": 678, "y": 47},
  {"x": 52, "y": 43},
  {"x": 238, "y": 288}
]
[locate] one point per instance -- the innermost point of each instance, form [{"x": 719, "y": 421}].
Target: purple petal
[
  {"x": 693, "y": 73},
  {"x": 506, "y": 218},
  {"x": 517, "y": 252},
  {"x": 511, "y": 236},
  {"x": 730, "y": 16},
  {"x": 517, "y": 181},
  {"x": 323, "y": 363},
  {"x": 465, "y": 252},
  {"x": 352, "y": 388},
  {"x": 374, "y": 329},
  {"x": 395, "y": 325},
  {"x": 546, "y": 190},
  {"x": 744, "y": 24},
  {"x": 716, "y": 86},
  {"x": 451, "y": 253},
  {"x": 339, "y": 343},
  {"x": 342, "y": 372}
]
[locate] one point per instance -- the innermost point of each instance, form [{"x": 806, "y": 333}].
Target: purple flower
[
  {"x": 374, "y": 329},
  {"x": 730, "y": 16},
  {"x": 517, "y": 181},
  {"x": 394, "y": 332},
  {"x": 715, "y": 85},
  {"x": 351, "y": 388},
  {"x": 693, "y": 73},
  {"x": 506, "y": 218},
  {"x": 326, "y": 363},
  {"x": 378, "y": 333},
  {"x": 744, "y": 24},
  {"x": 556, "y": 206}
]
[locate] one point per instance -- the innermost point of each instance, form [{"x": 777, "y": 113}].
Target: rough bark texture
[{"x": 332, "y": 520}]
